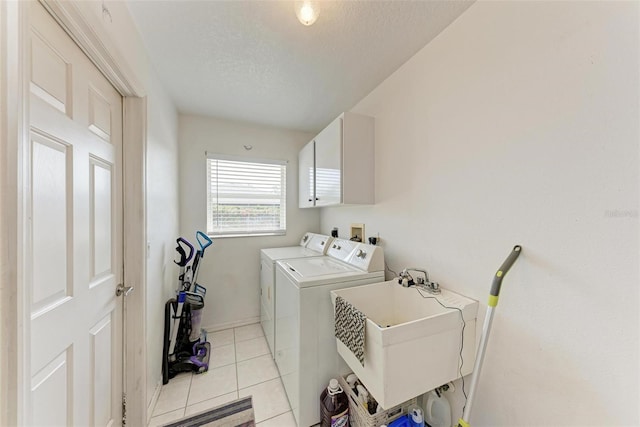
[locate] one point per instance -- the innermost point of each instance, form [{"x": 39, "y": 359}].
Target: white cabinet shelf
[{"x": 337, "y": 166}]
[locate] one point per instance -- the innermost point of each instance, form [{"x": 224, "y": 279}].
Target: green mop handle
[
  {"x": 504, "y": 269},
  {"x": 494, "y": 294}
]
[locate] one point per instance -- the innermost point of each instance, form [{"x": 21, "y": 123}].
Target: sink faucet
[{"x": 406, "y": 280}]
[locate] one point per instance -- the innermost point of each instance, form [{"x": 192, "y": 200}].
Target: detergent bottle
[{"x": 334, "y": 406}]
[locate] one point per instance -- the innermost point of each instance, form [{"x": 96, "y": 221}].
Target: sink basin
[{"x": 412, "y": 344}]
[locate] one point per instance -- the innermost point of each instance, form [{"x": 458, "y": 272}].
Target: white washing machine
[
  {"x": 306, "y": 353},
  {"x": 311, "y": 245}
]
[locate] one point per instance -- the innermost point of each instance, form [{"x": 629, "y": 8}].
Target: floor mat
[{"x": 238, "y": 413}]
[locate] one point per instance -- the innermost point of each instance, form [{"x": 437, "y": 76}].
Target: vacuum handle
[
  {"x": 184, "y": 258},
  {"x": 504, "y": 269},
  {"x": 204, "y": 243}
]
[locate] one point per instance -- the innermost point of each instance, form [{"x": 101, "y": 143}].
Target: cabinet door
[
  {"x": 329, "y": 165},
  {"x": 306, "y": 176}
]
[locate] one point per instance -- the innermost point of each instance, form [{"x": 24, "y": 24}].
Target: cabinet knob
[{"x": 311, "y": 200}]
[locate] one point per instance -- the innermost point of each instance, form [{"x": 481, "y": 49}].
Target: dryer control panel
[
  {"x": 304, "y": 241},
  {"x": 319, "y": 242}
]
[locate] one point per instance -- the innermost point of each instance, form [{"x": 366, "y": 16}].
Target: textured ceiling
[{"x": 253, "y": 61}]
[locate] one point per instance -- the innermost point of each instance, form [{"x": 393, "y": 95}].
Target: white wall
[
  {"x": 231, "y": 267},
  {"x": 519, "y": 125},
  {"x": 162, "y": 223}
]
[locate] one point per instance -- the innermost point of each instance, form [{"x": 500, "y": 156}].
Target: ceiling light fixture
[{"x": 307, "y": 11}]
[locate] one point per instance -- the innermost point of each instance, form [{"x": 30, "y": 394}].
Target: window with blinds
[{"x": 245, "y": 197}]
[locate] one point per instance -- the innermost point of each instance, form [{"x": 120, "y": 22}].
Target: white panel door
[{"x": 74, "y": 225}]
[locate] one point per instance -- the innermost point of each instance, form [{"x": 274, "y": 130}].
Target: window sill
[{"x": 225, "y": 236}]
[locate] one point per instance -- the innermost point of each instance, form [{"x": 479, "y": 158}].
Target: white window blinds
[{"x": 245, "y": 196}]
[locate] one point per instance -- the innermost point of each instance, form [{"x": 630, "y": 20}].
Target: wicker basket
[{"x": 360, "y": 417}]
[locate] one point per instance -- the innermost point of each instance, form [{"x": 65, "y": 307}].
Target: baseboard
[
  {"x": 154, "y": 400},
  {"x": 228, "y": 325}
]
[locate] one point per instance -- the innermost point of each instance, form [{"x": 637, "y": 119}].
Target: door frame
[{"x": 14, "y": 134}]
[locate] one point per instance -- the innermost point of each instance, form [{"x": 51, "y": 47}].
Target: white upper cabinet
[
  {"x": 329, "y": 164},
  {"x": 342, "y": 161},
  {"x": 306, "y": 176}
]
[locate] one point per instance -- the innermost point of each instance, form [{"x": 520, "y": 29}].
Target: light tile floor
[{"x": 240, "y": 366}]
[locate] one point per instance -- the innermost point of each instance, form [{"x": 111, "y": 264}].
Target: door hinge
[{"x": 124, "y": 409}]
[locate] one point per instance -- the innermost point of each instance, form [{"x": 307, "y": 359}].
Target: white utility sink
[{"x": 412, "y": 344}]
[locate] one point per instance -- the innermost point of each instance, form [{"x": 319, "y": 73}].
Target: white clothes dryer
[
  {"x": 311, "y": 245},
  {"x": 306, "y": 353}
]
